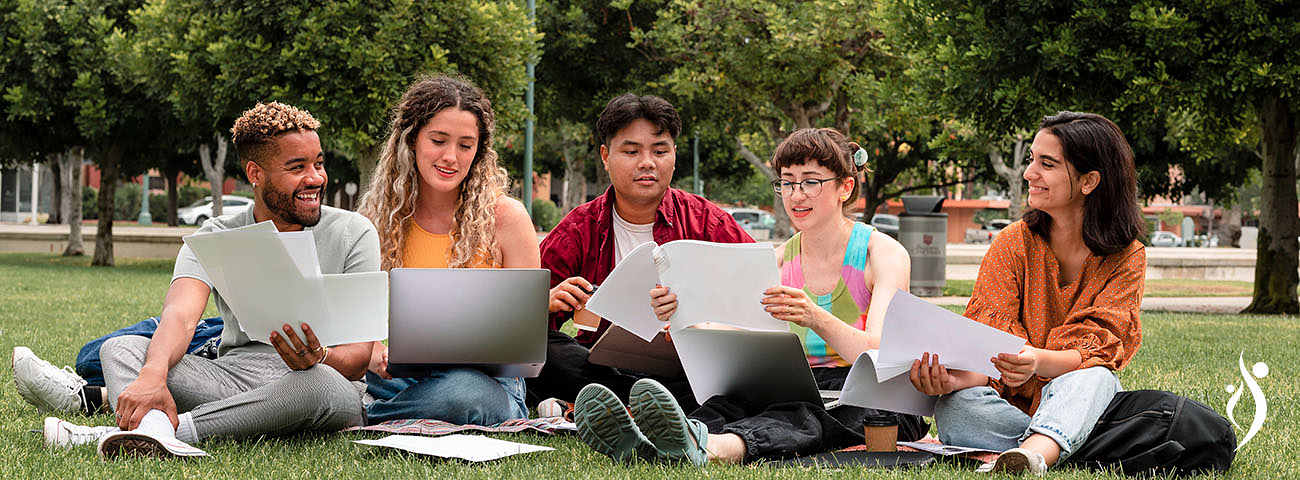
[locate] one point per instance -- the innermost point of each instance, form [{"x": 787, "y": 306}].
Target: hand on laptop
[
  {"x": 571, "y": 294},
  {"x": 296, "y": 354},
  {"x": 379, "y": 360}
]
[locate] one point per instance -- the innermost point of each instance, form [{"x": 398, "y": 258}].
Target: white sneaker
[
  {"x": 61, "y": 434},
  {"x": 154, "y": 437},
  {"x": 46, "y": 386},
  {"x": 1020, "y": 460}
]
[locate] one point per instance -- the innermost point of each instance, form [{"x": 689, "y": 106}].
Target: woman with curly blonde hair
[{"x": 438, "y": 200}]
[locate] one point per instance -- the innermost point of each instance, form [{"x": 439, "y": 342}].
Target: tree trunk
[
  {"x": 173, "y": 196},
  {"x": 1229, "y": 229},
  {"x": 1276, "y": 258},
  {"x": 367, "y": 161},
  {"x": 109, "y": 163},
  {"x": 574, "y": 190},
  {"x": 1012, "y": 174},
  {"x": 782, "y": 227},
  {"x": 71, "y": 200},
  {"x": 215, "y": 170},
  {"x": 56, "y": 203}
]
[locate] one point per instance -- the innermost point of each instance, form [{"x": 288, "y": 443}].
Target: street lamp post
[
  {"x": 145, "y": 217},
  {"x": 528, "y": 124}
]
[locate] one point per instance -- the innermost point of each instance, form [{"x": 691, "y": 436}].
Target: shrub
[
  {"x": 89, "y": 203},
  {"x": 545, "y": 215}
]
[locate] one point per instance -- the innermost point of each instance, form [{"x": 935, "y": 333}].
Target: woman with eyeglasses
[{"x": 837, "y": 277}]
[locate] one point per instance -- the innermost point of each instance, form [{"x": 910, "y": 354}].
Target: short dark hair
[
  {"x": 629, "y": 107},
  {"x": 257, "y": 126},
  {"x": 824, "y": 146},
  {"x": 1111, "y": 216}
]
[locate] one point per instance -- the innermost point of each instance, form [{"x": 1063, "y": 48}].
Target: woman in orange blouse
[{"x": 1068, "y": 278}]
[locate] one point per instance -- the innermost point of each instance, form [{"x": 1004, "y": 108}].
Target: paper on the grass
[
  {"x": 914, "y": 326},
  {"x": 624, "y": 298},
  {"x": 719, "y": 282},
  {"x": 946, "y": 450},
  {"x": 861, "y": 389},
  {"x": 268, "y": 279},
  {"x": 467, "y": 447}
]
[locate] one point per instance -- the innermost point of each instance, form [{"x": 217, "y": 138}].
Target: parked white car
[
  {"x": 201, "y": 210},
  {"x": 757, "y": 223},
  {"x": 1166, "y": 239}
]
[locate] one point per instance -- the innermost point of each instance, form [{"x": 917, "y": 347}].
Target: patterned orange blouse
[{"x": 1097, "y": 314}]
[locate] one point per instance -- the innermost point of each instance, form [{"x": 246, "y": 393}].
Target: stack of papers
[
  {"x": 269, "y": 278},
  {"x": 714, "y": 282}
]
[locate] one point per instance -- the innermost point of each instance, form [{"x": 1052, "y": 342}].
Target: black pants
[
  {"x": 567, "y": 371},
  {"x": 798, "y": 428}
]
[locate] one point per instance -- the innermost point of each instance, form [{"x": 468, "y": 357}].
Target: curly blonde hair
[{"x": 390, "y": 201}]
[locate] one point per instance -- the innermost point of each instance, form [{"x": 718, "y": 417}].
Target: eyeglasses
[{"x": 810, "y": 186}]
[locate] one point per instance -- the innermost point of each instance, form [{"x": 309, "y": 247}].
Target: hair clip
[{"x": 860, "y": 157}]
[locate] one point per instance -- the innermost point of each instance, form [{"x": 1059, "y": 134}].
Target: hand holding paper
[{"x": 914, "y": 326}]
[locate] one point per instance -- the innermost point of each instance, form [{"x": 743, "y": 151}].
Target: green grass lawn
[
  {"x": 54, "y": 305},
  {"x": 1165, "y": 287}
]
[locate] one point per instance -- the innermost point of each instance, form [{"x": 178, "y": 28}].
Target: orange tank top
[{"x": 430, "y": 250}]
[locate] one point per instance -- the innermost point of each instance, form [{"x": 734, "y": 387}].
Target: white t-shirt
[{"x": 628, "y": 236}]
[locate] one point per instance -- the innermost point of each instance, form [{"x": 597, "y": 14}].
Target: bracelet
[{"x": 325, "y": 356}]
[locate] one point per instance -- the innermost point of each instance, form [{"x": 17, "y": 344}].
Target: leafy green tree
[
  {"x": 1227, "y": 69},
  {"x": 759, "y": 70},
  {"x": 65, "y": 84},
  {"x": 346, "y": 62},
  {"x": 587, "y": 60}
]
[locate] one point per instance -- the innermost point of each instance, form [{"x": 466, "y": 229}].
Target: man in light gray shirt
[{"x": 292, "y": 384}]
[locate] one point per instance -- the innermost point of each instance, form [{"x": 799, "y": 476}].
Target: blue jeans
[
  {"x": 463, "y": 396},
  {"x": 204, "y": 343},
  {"x": 1071, "y": 405}
]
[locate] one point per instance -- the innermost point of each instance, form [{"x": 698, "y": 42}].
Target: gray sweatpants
[{"x": 241, "y": 393}]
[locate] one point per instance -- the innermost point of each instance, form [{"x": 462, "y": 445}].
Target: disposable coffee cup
[{"x": 881, "y": 432}]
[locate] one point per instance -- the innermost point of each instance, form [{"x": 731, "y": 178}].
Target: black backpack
[{"x": 1155, "y": 432}]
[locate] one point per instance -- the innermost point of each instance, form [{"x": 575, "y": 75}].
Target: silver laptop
[
  {"x": 493, "y": 319},
  {"x": 762, "y": 367}
]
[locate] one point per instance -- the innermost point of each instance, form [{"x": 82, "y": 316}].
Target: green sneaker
[
  {"x": 675, "y": 437},
  {"x": 604, "y": 424}
]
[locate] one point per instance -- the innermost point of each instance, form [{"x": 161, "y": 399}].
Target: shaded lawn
[{"x": 54, "y": 305}]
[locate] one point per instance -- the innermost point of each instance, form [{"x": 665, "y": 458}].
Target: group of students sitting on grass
[{"x": 1068, "y": 278}]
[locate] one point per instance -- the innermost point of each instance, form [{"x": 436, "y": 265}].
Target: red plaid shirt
[{"x": 582, "y": 245}]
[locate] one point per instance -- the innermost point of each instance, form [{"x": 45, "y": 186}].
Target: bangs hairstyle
[
  {"x": 257, "y": 126},
  {"x": 628, "y": 107},
  {"x": 1112, "y": 219},
  {"x": 826, "y": 147},
  {"x": 390, "y": 201}
]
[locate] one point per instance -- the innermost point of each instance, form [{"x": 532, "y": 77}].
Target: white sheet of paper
[
  {"x": 474, "y": 448},
  {"x": 301, "y": 246},
  {"x": 914, "y": 326},
  {"x": 624, "y": 297},
  {"x": 861, "y": 389},
  {"x": 719, "y": 282},
  {"x": 358, "y": 308},
  {"x": 264, "y": 285}
]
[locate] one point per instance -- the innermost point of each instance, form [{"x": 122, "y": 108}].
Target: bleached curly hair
[
  {"x": 255, "y": 128},
  {"x": 390, "y": 202}
]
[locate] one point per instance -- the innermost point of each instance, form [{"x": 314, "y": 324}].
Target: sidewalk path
[{"x": 1167, "y": 304}]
